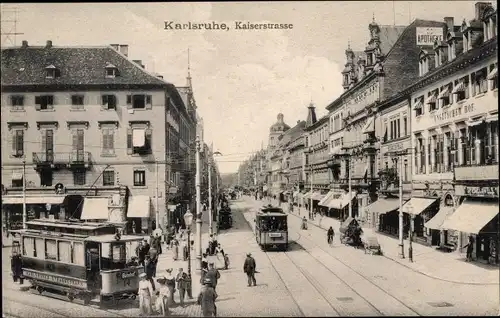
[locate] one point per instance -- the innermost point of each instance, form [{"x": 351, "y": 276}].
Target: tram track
[{"x": 355, "y": 271}]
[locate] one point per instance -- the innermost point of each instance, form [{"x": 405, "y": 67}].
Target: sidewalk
[{"x": 428, "y": 261}]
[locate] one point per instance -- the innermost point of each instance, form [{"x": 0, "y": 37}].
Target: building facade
[{"x": 87, "y": 125}]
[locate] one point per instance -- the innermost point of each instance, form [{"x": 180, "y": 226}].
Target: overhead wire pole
[
  {"x": 198, "y": 202},
  {"x": 210, "y": 190},
  {"x": 14, "y": 33}
]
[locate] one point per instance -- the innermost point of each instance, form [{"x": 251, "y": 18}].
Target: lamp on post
[
  {"x": 401, "y": 241},
  {"x": 217, "y": 194},
  {"x": 410, "y": 234},
  {"x": 188, "y": 220}
]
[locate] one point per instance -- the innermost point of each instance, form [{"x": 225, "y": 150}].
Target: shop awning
[
  {"x": 418, "y": 105},
  {"x": 417, "y": 205},
  {"x": 317, "y": 196},
  {"x": 384, "y": 205},
  {"x": 139, "y": 206},
  {"x": 438, "y": 219},
  {"x": 17, "y": 175},
  {"x": 138, "y": 137},
  {"x": 493, "y": 74},
  {"x": 337, "y": 150},
  {"x": 471, "y": 216},
  {"x": 369, "y": 126},
  {"x": 343, "y": 201},
  {"x": 492, "y": 118},
  {"x": 460, "y": 87},
  {"x": 444, "y": 93},
  {"x": 55, "y": 199},
  {"x": 431, "y": 99},
  {"x": 475, "y": 122},
  {"x": 326, "y": 198},
  {"x": 307, "y": 195},
  {"x": 95, "y": 209}
]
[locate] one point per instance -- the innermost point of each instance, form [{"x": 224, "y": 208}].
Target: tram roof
[
  {"x": 107, "y": 238},
  {"x": 69, "y": 225},
  {"x": 271, "y": 209}
]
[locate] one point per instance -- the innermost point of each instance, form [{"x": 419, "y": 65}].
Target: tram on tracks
[
  {"x": 271, "y": 228},
  {"x": 82, "y": 260}
]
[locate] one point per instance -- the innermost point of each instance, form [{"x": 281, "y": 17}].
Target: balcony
[
  {"x": 77, "y": 159},
  {"x": 477, "y": 172}
]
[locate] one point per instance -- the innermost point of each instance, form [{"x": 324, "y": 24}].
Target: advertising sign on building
[{"x": 427, "y": 36}]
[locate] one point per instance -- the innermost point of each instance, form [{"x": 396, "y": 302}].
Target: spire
[
  {"x": 188, "y": 78},
  {"x": 311, "y": 115}
]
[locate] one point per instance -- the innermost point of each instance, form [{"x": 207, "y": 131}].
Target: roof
[
  {"x": 107, "y": 238},
  {"x": 388, "y": 37},
  {"x": 320, "y": 122},
  {"x": 293, "y": 133},
  {"x": 77, "y": 66}
]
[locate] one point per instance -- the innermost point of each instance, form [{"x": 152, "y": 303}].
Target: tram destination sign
[{"x": 54, "y": 279}]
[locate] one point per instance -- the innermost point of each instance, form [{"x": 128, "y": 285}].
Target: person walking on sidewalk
[
  {"x": 249, "y": 268},
  {"x": 213, "y": 274},
  {"x": 150, "y": 269},
  {"x": 329, "y": 236},
  {"x": 163, "y": 295},
  {"x": 206, "y": 299},
  {"x": 175, "y": 249},
  {"x": 170, "y": 282},
  {"x": 470, "y": 248},
  {"x": 181, "y": 280},
  {"x": 145, "y": 293}
]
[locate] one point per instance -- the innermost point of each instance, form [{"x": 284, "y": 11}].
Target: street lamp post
[
  {"x": 217, "y": 153},
  {"x": 188, "y": 220},
  {"x": 401, "y": 239},
  {"x": 410, "y": 235},
  {"x": 198, "y": 201},
  {"x": 312, "y": 176}
]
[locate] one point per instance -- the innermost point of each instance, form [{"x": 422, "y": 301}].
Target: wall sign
[
  {"x": 55, "y": 279},
  {"x": 427, "y": 36},
  {"x": 491, "y": 192},
  {"x": 455, "y": 112}
]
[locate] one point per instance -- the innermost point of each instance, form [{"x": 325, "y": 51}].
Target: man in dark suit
[{"x": 249, "y": 268}]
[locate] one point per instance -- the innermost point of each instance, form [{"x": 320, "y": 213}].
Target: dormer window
[
  {"x": 52, "y": 72},
  {"x": 111, "y": 70},
  {"x": 423, "y": 64}
]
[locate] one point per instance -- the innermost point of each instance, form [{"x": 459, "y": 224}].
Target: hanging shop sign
[{"x": 427, "y": 36}]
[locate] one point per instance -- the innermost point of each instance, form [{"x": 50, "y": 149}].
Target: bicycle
[{"x": 330, "y": 240}]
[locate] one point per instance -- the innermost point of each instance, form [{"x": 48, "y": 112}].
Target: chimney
[
  {"x": 25, "y": 44},
  {"x": 449, "y": 23},
  {"x": 159, "y": 76},
  {"x": 49, "y": 44},
  {"x": 115, "y": 47},
  {"x": 480, "y": 8},
  {"x": 124, "y": 49}
]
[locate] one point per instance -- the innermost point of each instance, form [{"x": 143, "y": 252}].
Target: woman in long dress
[
  {"x": 145, "y": 294},
  {"x": 170, "y": 282},
  {"x": 176, "y": 250}
]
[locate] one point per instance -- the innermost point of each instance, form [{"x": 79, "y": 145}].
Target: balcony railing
[
  {"x": 477, "y": 172},
  {"x": 62, "y": 158}
]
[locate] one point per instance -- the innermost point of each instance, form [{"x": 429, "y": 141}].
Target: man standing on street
[
  {"x": 249, "y": 269},
  {"x": 213, "y": 275},
  {"x": 182, "y": 281}
]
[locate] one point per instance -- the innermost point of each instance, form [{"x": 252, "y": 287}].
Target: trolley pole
[
  {"x": 401, "y": 240},
  {"x": 312, "y": 177},
  {"x": 157, "y": 205},
  {"x": 25, "y": 216},
  {"x": 350, "y": 189},
  {"x": 210, "y": 193},
  {"x": 198, "y": 202}
]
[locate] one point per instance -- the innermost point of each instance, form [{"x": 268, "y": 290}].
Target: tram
[
  {"x": 81, "y": 260},
  {"x": 271, "y": 228}
]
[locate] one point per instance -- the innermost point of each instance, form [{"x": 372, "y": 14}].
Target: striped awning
[
  {"x": 307, "y": 195},
  {"x": 418, "y": 105},
  {"x": 493, "y": 74},
  {"x": 475, "y": 122},
  {"x": 139, "y": 206},
  {"x": 444, "y": 93},
  {"x": 431, "y": 99},
  {"x": 95, "y": 209},
  {"x": 369, "y": 126},
  {"x": 460, "y": 87}
]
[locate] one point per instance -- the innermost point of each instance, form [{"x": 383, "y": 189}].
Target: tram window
[
  {"x": 29, "y": 246},
  {"x": 78, "y": 253},
  {"x": 39, "y": 248},
  {"x": 50, "y": 249},
  {"x": 119, "y": 253},
  {"x": 64, "y": 251}
]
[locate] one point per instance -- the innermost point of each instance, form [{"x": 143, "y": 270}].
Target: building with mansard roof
[{"x": 84, "y": 118}]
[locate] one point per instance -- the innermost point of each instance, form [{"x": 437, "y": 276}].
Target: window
[
  {"x": 118, "y": 253},
  {"x": 46, "y": 177},
  {"x": 108, "y": 178},
  {"x": 39, "y": 248},
  {"x": 50, "y": 250},
  {"x": 65, "y": 254},
  {"x": 493, "y": 76},
  {"x": 28, "y": 246},
  {"x": 461, "y": 89},
  {"x": 17, "y": 183},
  {"x": 418, "y": 105},
  {"x": 79, "y": 177},
  {"x": 491, "y": 143},
  {"x": 17, "y": 102},
  {"x": 448, "y": 165},
  {"x": 429, "y": 162},
  {"x": 398, "y": 128},
  {"x": 110, "y": 72},
  {"x": 405, "y": 125},
  {"x": 108, "y": 102},
  {"x": 18, "y": 143},
  {"x": 432, "y": 99},
  {"x": 77, "y": 101},
  {"x": 445, "y": 95},
  {"x": 479, "y": 82},
  {"x": 78, "y": 253},
  {"x": 464, "y": 146},
  {"x": 44, "y": 102},
  {"x": 139, "y": 178},
  {"x": 108, "y": 141},
  {"x": 139, "y": 101},
  {"x": 140, "y": 141}
]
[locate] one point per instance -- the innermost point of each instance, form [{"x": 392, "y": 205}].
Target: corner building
[
  {"x": 455, "y": 135},
  {"x": 89, "y": 125}
]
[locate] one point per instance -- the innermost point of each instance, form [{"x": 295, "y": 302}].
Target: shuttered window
[
  {"x": 108, "y": 141},
  {"x": 18, "y": 143}
]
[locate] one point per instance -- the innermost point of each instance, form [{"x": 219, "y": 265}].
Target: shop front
[
  {"x": 338, "y": 205},
  {"x": 446, "y": 240},
  {"x": 385, "y": 212},
  {"x": 419, "y": 211},
  {"x": 139, "y": 214}
]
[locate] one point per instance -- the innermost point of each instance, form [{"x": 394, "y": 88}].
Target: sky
[{"x": 241, "y": 79}]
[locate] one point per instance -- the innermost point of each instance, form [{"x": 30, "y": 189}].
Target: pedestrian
[
  {"x": 329, "y": 235},
  {"x": 185, "y": 251},
  {"x": 470, "y": 248},
  {"x": 175, "y": 249},
  {"x": 249, "y": 268},
  {"x": 182, "y": 281},
  {"x": 145, "y": 293},
  {"x": 150, "y": 270},
  {"x": 206, "y": 299},
  {"x": 139, "y": 251},
  {"x": 146, "y": 247},
  {"x": 170, "y": 282},
  {"x": 16, "y": 264},
  {"x": 163, "y": 295},
  {"x": 212, "y": 274}
]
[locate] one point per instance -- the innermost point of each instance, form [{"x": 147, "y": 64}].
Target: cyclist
[{"x": 330, "y": 234}]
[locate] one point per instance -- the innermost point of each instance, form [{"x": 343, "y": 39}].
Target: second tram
[{"x": 271, "y": 228}]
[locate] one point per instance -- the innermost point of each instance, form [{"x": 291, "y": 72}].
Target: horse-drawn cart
[
  {"x": 371, "y": 245},
  {"x": 350, "y": 232}
]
